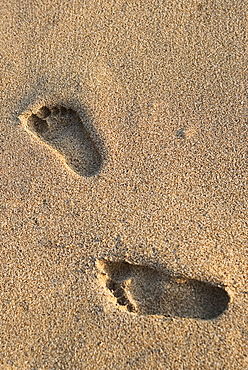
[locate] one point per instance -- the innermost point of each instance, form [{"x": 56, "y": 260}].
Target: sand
[{"x": 123, "y": 185}]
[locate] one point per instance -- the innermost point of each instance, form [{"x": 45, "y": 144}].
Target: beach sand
[{"x": 123, "y": 185}]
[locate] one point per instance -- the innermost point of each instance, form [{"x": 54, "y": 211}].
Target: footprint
[
  {"x": 148, "y": 291},
  {"x": 63, "y": 130}
]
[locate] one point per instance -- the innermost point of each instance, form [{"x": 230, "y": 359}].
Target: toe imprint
[
  {"x": 62, "y": 130},
  {"x": 148, "y": 291}
]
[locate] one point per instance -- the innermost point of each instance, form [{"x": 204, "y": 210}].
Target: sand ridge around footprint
[
  {"x": 148, "y": 291},
  {"x": 62, "y": 130}
]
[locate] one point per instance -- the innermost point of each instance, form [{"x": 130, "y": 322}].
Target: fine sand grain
[{"x": 123, "y": 193}]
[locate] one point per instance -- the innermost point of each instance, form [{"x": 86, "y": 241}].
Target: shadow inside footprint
[
  {"x": 63, "y": 130},
  {"x": 148, "y": 291}
]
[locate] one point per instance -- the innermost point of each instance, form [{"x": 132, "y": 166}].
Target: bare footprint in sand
[
  {"x": 62, "y": 130},
  {"x": 148, "y": 291}
]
